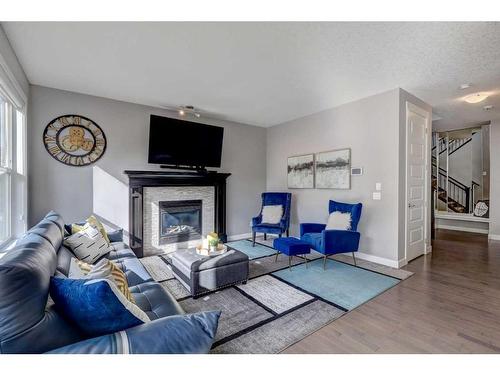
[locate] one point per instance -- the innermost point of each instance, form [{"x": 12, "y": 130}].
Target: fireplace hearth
[{"x": 180, "y": 221}]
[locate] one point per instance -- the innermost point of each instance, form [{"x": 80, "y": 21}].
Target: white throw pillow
[
  {"x": 272, "y": 214},
  {"x": 339, "y": 220},
  {"x": 88, "y": 244}
]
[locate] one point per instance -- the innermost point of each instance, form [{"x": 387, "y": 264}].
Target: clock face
[{"x": 74, "y": 140}]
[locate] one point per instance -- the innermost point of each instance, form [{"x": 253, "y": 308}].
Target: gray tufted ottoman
[{"x": 201, "y": 274}]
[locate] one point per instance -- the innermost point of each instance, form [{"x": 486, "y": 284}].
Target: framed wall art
[
  {"x": 300, "y": 174},
  {"x": 333, "y": 169}
]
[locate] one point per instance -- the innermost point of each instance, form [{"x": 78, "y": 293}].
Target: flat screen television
[{"x": 184, "y": 143}]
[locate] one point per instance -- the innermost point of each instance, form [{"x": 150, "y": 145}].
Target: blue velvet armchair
[
  {"x": 271, "y": 199},
  {"x": 330, "y": 242}
]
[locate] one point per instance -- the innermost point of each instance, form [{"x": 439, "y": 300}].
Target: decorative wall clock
[{"x": 74, "y": 140}]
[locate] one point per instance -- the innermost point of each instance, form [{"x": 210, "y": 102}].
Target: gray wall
[
  {"x": 370, "y": 128},
  {"x": 495, "y": 181},
  {"x": 76, "y": 192},
  {"x": 11, "y": 59}
]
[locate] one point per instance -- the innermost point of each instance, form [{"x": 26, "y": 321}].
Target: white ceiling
[{"x": 266, "y": 73}]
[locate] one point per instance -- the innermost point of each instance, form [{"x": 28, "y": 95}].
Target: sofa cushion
[
  {"x": 315, "y": 240},
  {"x": 48, "y": 230},
  {"x": 120, "y": 250},
  {"x": 134, "y": 270},
  {"x": 25, "y": 320},
  {"x": 64, "y": 257},
  {"x": 56, "y": 219},
  {"x": 96, "y": 307},
  {"x": 155, "y": 301}
]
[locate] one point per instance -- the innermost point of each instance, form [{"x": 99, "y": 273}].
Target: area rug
[
  {"x": 253, "y": 252},
  {"x": 277, "y": 306}
]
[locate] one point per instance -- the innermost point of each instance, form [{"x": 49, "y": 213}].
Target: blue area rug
[
  {"x": 342, "y": 284},
  {"x": 246, "y": 247}
]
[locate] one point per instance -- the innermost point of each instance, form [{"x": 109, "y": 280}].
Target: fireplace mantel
[{"x": 138, "y": 180}]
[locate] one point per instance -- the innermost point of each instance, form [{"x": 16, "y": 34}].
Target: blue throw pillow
[
  {"x": 97, "y": 307},
  {"x": 177, "y": 334},
  {"x": 115, "y": 235}
]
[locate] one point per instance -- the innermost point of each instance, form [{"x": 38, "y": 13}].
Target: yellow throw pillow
[
  {"x": 104, "y": 269},
  {"x": 92, "y": 220}
]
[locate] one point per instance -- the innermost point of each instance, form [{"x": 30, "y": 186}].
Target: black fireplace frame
[
  {"x": 138, "y": 180},
  {"x": 181, "y": 237}
]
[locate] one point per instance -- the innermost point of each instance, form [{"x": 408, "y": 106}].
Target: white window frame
[{"x": 16, "y": 100}]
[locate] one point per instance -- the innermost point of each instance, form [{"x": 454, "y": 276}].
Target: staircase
[{"x": 456, "y": 195}]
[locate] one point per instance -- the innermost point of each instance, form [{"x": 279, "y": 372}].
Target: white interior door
[{"x": 417, "y": 122}]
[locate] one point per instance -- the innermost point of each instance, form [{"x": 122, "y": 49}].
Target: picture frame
[
  {"x": 332, "y": 169},
  {"x": 300, "y": 171}
]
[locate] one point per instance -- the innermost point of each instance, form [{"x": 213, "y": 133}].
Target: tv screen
[{"x": 184, "y": 143}]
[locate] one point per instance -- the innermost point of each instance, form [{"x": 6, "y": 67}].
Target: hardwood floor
[{"x": 450, "y": 305}]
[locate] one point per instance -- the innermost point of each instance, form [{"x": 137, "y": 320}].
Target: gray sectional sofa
[{"x": 30, "y": 323}]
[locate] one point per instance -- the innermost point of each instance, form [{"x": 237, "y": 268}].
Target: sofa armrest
[
  {"x": 311, "y": 228},
  {"x": 178, "y": 334},
  {"x": 340, "y": 241}
]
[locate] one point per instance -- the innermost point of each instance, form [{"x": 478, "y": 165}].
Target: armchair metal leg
[
  {"x": 354, "y": 258},
  {"x": 277, "y": 253},
  {"x": 279, "y": 235},
  {"x": 324, "y": 263},
  {"x": 288, "y": 232},
  {"x": 253, "y": 238},
  {"x": 265, "y": 236},
  {"x": 290, "y": 262},
  {"x": 305, "y": 258}
]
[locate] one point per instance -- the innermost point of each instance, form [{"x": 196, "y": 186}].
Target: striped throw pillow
[
  {"x": 92, "y": 220},
  {"x": 104, "y": 269},
  {"x": 88, "y": 245}
]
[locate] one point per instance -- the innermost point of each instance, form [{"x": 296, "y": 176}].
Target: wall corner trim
[{"x": 494, "y": 237}]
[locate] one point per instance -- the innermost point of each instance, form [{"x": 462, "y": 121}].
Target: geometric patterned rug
[{"x": 278, "y": 307}]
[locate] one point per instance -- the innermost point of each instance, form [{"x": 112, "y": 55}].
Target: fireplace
[
  {"x": 180, "y": 221},
  {"x": 147, "y": 189}
]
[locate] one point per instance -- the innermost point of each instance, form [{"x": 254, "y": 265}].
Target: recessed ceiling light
[
  {"x": 181, "y": 112},
  {"x": 488, "y": 107},
  {"x": 464, "y": 86},
  {"x": 476, "y": 98}
]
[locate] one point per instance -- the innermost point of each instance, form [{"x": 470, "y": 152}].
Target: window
[{"x": 13, "y": 180}]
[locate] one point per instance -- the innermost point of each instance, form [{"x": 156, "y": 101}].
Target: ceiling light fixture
[
  {"x": 476, "y": 97},
  {"x": 181, "y": 112},
  {"x": 464, "y": 86},
  {"x": 488, "y": 107}
]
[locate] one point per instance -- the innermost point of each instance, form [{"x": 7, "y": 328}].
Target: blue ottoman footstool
[{"x": 291, "y": 246}]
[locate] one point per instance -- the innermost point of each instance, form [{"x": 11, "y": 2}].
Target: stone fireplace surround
[
  {"x": 148, "y": 188},
  {"x": 151, "y": 214}
]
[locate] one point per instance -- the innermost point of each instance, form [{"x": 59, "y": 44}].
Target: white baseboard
[
  {"x": 429, "y": 249},
  {"x": 379, "y": 260},
  {"x": 237, "y": 237},
  {"x": 494, "y": 237},
  {"x": 463, "y": 229}
]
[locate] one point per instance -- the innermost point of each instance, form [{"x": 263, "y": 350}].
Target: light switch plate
[
  {"x": 378, "y": 186},
  {"x": 377, "y": 195}
]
